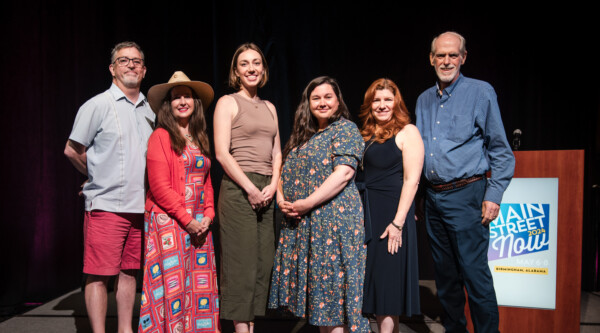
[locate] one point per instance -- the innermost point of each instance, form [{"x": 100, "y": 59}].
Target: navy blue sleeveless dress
[{"x": 391, "y": 284}]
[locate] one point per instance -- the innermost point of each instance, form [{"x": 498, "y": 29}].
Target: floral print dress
[{"x": 320, "y": 259}]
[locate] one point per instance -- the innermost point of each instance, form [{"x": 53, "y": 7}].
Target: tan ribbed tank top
[{"x": 253, "y": 131}]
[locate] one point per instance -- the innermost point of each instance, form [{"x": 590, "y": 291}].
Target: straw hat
[{"x": 158, "y": 92}]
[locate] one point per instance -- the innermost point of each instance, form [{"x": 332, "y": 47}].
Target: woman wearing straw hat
[
  {"x": 247, "y": 146},
  {"x": 180, "y": 279}
]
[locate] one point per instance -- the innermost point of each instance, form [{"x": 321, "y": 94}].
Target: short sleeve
[
  {"x": 88, "y": 123},
  {"x": 347, "y": 144}
]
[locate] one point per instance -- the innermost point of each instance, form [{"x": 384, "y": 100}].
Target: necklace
[
  {"x": 189, "y": 138},
  {"x": 246, "y": 95}
]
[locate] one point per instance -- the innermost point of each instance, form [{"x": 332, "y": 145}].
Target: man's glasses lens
[{"x": 124, "y": 61}]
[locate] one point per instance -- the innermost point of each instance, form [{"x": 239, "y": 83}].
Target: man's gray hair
[
  {"x": 124, "y": 45},
  {"x": 463, "y": 47}
]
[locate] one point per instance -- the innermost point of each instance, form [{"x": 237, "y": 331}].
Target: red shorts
[{"x": 112, "y": 242}]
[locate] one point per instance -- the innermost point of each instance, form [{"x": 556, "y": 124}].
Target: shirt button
[
  {"x": 442, "y": 105},
  {"x": 434, "y": 138},
  {"x": 431, "y": 154},
  {"x": 437, "y": 122},
  {"x": 432, "y": 171}
]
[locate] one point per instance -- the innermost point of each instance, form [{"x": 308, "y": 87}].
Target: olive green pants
[{"x": 247, "y": 250}]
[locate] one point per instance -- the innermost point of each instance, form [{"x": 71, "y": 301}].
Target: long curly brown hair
[
  {"x": 400, "y": 117},
  {"x": 305, "y": 124}
]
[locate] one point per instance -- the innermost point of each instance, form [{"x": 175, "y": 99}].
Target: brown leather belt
[{"x": 455, "y": 184}]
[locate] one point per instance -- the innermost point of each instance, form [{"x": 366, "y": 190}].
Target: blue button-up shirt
[{"x": 463, "y": 135}]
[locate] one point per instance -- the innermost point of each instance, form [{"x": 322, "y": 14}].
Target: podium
[{"x": 568, "y": 167}]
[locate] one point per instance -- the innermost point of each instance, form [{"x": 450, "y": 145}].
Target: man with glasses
[{"x": 108, "y": 144}]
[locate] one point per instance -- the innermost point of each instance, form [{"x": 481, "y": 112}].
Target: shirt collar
[
  {"x": 448, "y": 89},
  {"x": 118, "y": 94},
  {"x": 330, "y": 126}
]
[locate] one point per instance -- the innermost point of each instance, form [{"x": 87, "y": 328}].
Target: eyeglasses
[{"x": 124, "y": 61}]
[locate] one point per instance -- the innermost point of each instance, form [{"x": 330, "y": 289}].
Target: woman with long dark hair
[
  {"x": 180, "y": 278},
  {"x": 320, "y": 258}
]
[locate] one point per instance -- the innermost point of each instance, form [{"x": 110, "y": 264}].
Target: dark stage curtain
[{"x": 56, "y": 54}]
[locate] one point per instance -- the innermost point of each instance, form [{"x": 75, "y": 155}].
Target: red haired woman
[{"x": 392, "y": 163}]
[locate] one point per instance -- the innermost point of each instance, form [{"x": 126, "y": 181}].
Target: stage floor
[{"x": 67, "y": 314}]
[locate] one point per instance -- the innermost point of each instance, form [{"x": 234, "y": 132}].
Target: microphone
[{"x": 516, "y": 142}]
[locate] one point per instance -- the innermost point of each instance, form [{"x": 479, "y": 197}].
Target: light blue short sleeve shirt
[{"x": 115, "y": 132}]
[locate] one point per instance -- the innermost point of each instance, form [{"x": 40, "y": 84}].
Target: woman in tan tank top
[{"x": 247, "y": 146}]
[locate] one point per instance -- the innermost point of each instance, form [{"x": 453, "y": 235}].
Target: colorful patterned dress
[
  {"x": 320, "y": 260},
  {"x": 180, "y": 278}
]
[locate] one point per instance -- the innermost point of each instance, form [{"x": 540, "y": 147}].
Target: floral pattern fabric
[
  {"x": 180, "y": 279},
  {"x": 320, "y": 259}
]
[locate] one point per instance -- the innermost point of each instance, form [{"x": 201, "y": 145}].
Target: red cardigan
[{"x": 166, "y": 177}]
